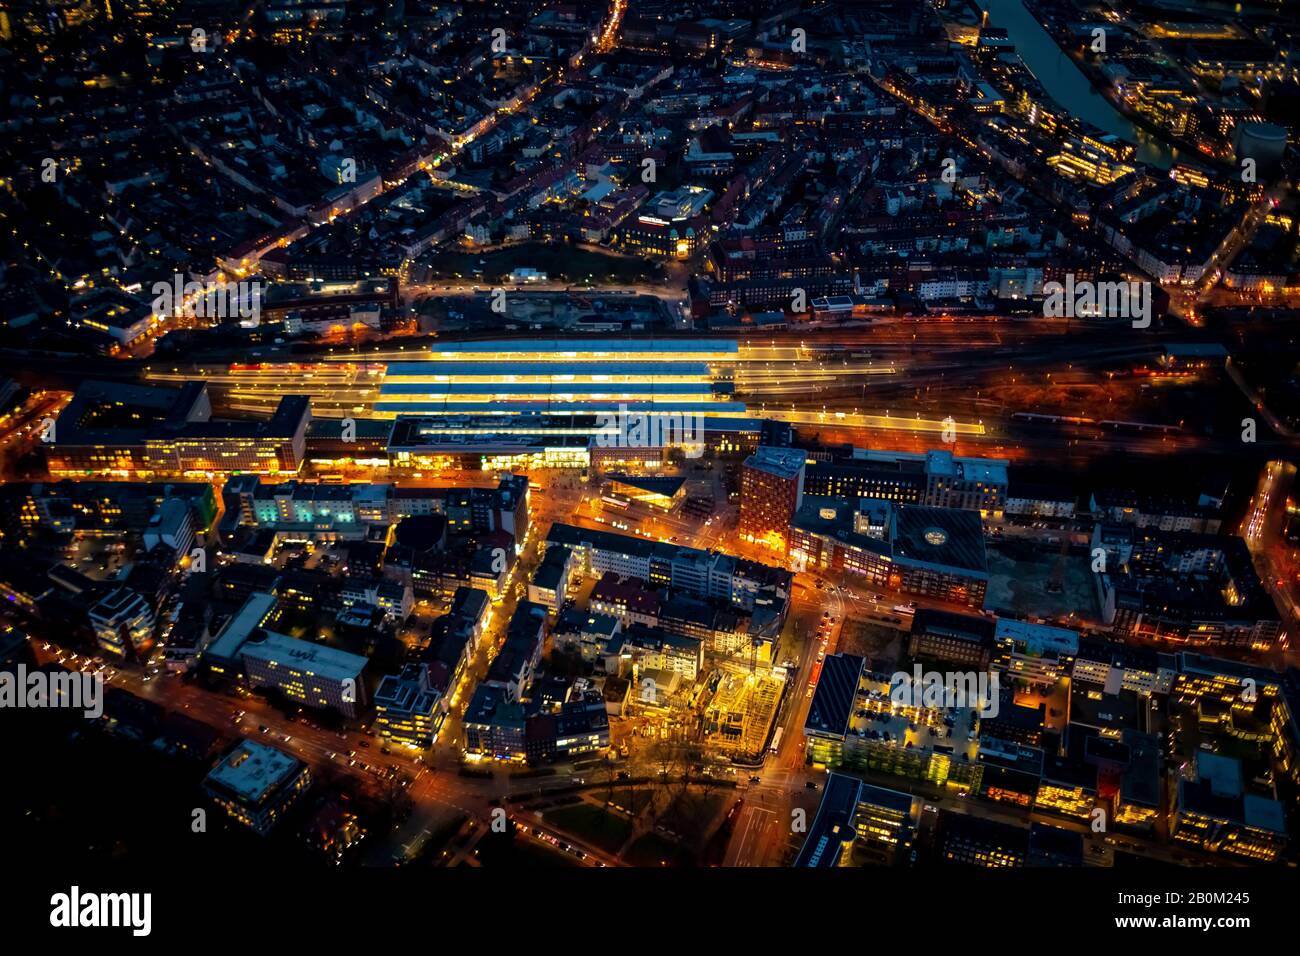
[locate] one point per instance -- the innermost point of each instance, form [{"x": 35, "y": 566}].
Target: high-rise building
[{"x": 771, "y": 491}]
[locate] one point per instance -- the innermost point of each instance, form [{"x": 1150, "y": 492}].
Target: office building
[
  {"x": 494, "y": 726},
  {"x": 256, "y": 784},
  {"x": 936, "y": 478},
  {"x": 886, "y": 822},
  {"x": 312, "y": 511},
  {"x": 408, "y": 710},
  {"x": 962, "y": 639},
  {"x": 1035, "y": 652},
  {"x": 833, "y": 830},
  {"x": 972, "y": 840},
  {"x": 745, "y": 584},
  {"x": 172, "y": 527},
  {"x": 1215, "y": 812},
  {"x": 936, "y": 552},
  {"x": 855, "y": 722},
  {"x": 771, "y": 491},
  {"x": 314, "y": 675},
  {"x": 114, "y": 430},
  {"x": 123, "y": 622}
]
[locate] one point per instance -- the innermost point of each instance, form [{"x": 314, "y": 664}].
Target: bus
[
  {"x": 776, "y": 740},
  {"x": 907, "y": 610},
  {"x": 613, "y": 502}
]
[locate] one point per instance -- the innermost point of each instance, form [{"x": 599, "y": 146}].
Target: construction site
[{"x": 738, "y": 717}]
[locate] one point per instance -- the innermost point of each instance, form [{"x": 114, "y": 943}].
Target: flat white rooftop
[
  {"x": 241, "y": 626},
  {"x": 318, "y": 660},
  {"x": 253, "y": 770}
]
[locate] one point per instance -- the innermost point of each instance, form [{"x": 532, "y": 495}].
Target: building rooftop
[
  {"x": 832, "y": 829},
  {"x": 240, "y": 627},
  {"x": 1037, "y": 639},
  {"x": 943, "y": 537},
  {"x": 115, "y": 413},
  {"x": 990, "y": 471},
  {"x": 969, "y": 628},
  {"x": 253, "y": 771},
  {"x": 665, "y": 485},
  {"x": 940, "y": 538},
  {"x": 782, "y": 462},
  {"x": 562, "y": 347},
  {"x": 837, "y": 689},
  {"x": 317, "y": 659}
]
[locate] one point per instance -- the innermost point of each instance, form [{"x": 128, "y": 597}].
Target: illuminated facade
[
  {"x": 303, "y": 510},
  {"x": 102, "y": 509},
  {"x": 833, "y": 832},
  {"x": 854, "y": 723},
  {"x": 1068, "y": 788},
  {"x": 973, "y": 841},
  {"x": 1035, "y": 652},
  {"x": 662, "y": 494},
  {"x": 562, "y": 377},
  {"x": 494, "y": 726},
  {"x": 885, "y": 822},
  {"x": 312, "y": 674},
  {"x": 935, "y": 478},
  {"x": 113, "y": 430},
  {"x": 679, "y": 239},
  {"x": 407, "y": 710},
  {"x": 1248, "y": 703},
  {"x": 1219, "y": 597},
  {"x": 771, "y": 491},
  {"x": 707, "y": 574},
  {"x": 123, "y": 623},
  {"x": 937, "y": 552},
  {"x": 1216, "y": 813}
]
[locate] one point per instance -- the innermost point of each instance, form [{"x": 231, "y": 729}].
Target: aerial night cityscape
[{"x": 657, "y": 435}]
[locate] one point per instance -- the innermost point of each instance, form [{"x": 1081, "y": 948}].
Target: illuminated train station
[
  {"x": 559, "y": 404},
  {"x": 551, "y": 403},
  {"x": 675, "y": 376},
  {"x": 498, "y": 404}
]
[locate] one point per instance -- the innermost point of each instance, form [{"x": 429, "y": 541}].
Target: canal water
[{"x": 1066, "y": 83}]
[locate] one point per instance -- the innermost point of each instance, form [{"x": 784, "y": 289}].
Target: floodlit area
[{"x": 739, "y": 717}]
